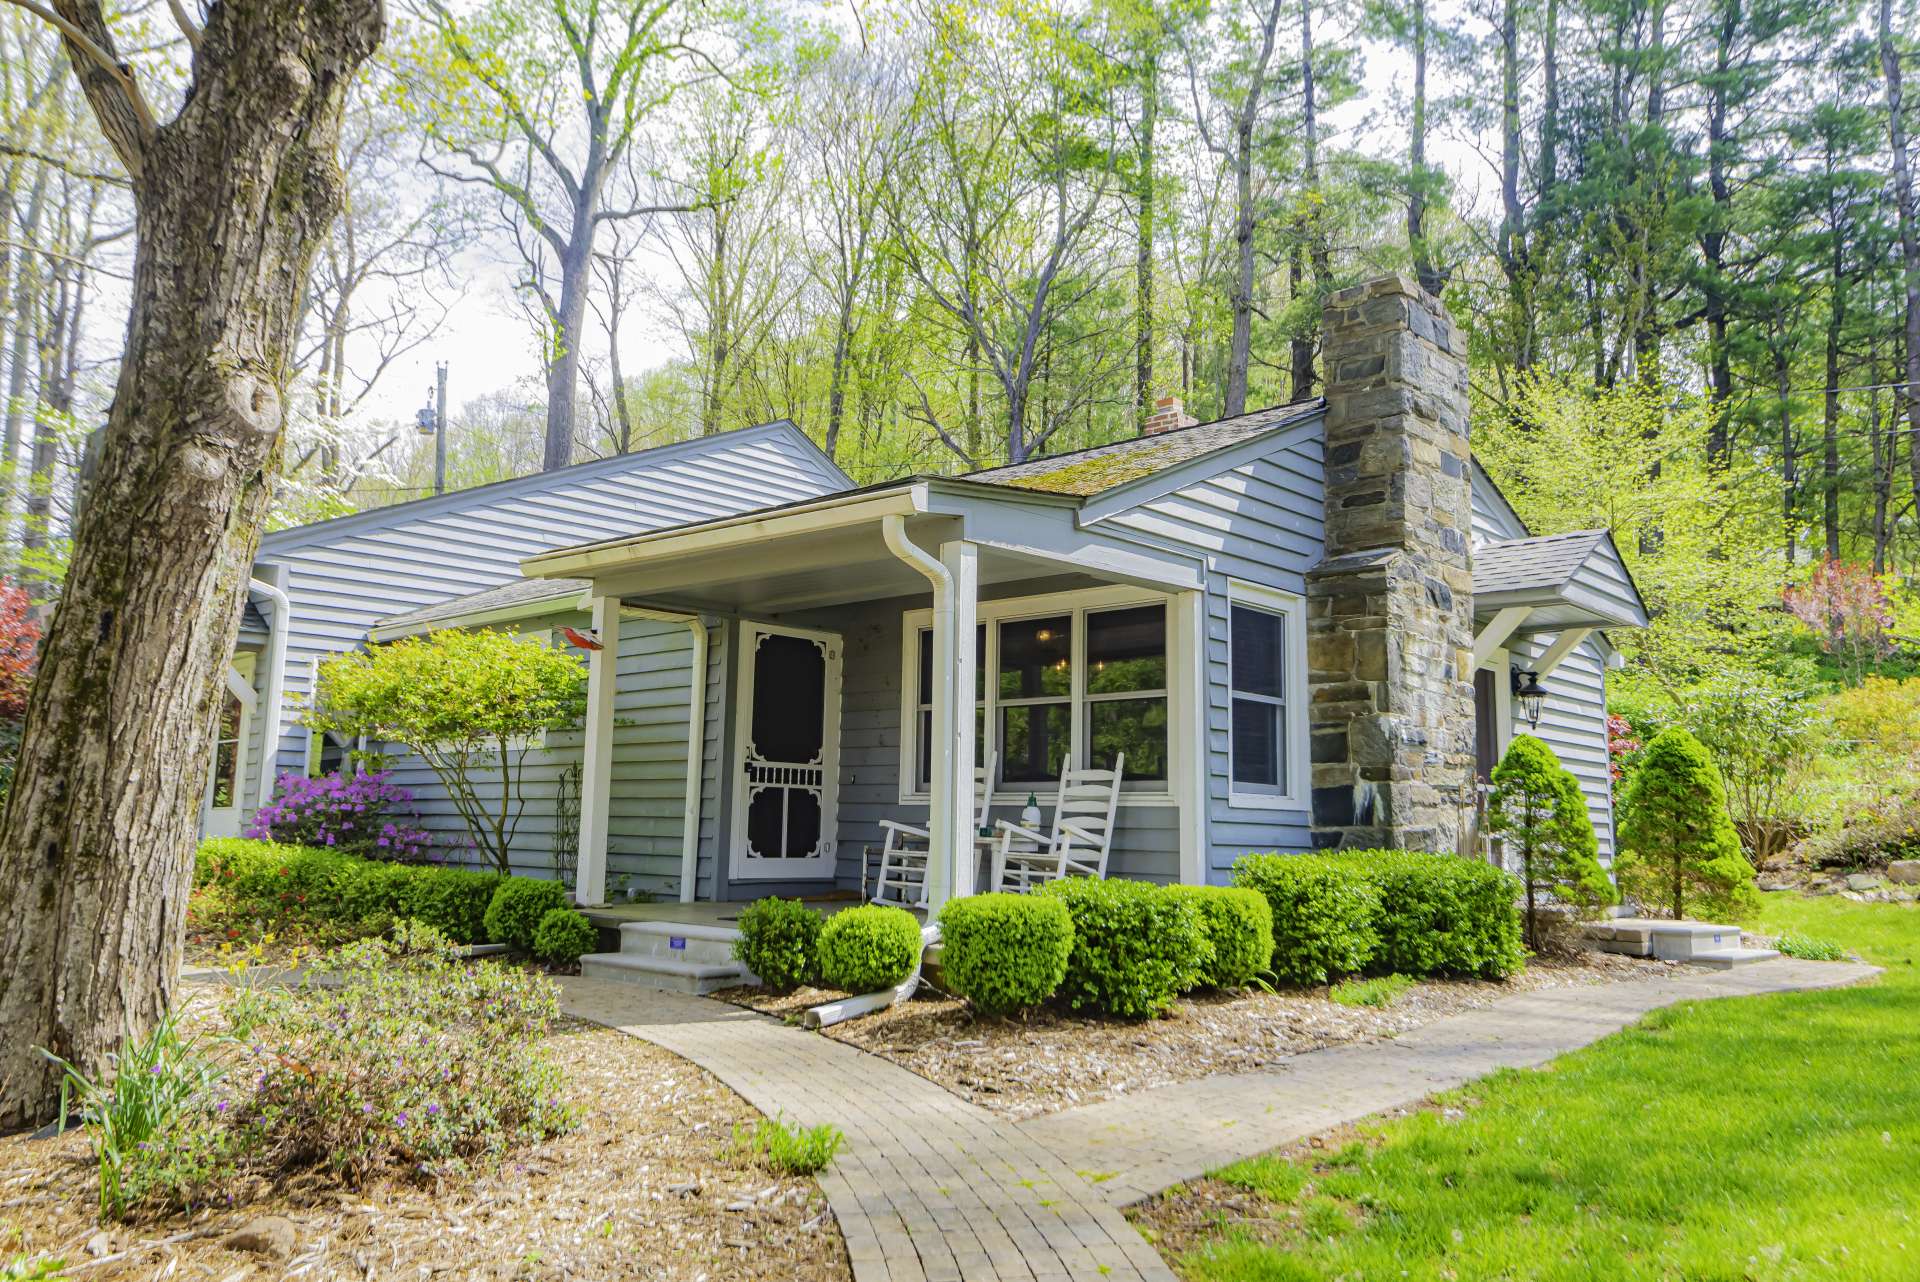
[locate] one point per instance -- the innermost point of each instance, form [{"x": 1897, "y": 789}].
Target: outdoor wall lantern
[{"x": 1526, "y": 688}]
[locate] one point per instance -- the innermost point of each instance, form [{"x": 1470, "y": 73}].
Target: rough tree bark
[
  {"x": 233, "y": 195},
  {"x": 1909, "y": 236}
]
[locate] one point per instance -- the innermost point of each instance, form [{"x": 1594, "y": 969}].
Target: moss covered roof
[{"x": 1085, "y": 473}]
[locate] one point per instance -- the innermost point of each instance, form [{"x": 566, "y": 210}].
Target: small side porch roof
[
  {"x": 1562, "y": 581},
  {"x": 834, "y": 550}
]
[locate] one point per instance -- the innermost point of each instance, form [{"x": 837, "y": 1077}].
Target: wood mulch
[
  {"x": 646, "y": 1187},
  {"x": 1054, "y": 1059}
]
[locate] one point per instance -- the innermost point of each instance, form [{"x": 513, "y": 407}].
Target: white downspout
[
  {"x": 696, "y": 743},
  {"x": 941, "y": 829},
  {"x": 276, "y": 675}
]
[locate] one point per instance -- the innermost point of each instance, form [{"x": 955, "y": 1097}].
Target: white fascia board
[{"x": 562, "y": 603}]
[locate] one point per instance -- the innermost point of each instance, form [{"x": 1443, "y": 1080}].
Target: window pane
[
  {"x": 226, "y": 763},
  {"x": 1034, "y": 657},
  {"x": 1033, "y": 742},
  {"x": 926, "y": 666},
  {"x": 1137, "y": 727},
  {"x": 1258, "y": 650},
  {"x": 925, "y": 751},
  {"x": 1256, "y": 744},
  {"x": 1127, "y": 650}
]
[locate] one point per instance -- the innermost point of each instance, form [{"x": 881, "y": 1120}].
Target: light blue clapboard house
[{"x": 1313, "y": 625}]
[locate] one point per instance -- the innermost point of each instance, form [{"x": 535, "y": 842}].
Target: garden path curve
[{"x": 928, "y": 1186}]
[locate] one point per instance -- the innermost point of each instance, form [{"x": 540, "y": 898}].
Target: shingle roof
[
  {"x": 506, "y": 596},
  {"x": 1545, "y": 561},
  {"x": 1084, "y": 473}
]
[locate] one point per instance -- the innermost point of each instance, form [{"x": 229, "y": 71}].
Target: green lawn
[{"x": 1761, "y": 1139}]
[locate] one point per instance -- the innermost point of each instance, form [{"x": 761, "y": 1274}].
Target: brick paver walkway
[{"x": 930, "y": 1187}]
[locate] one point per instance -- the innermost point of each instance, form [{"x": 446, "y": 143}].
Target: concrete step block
[
  {"x": 679, "y": 942},
  {"x": 667, "y": 973},
  {"x": 1728, "y": 958}
]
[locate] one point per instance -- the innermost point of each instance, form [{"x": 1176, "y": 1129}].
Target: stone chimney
[
  {"x": 1390, "y": 605},
  {"x": 1168, "y": 413}
]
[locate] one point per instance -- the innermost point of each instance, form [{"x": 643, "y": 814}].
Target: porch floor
[{"x": 709, "y": 913}]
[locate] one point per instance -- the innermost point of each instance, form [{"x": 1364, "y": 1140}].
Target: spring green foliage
[
  {"x": 870, "y": 948},
  {"x": 1525, "y": 1177},
  {"x": 563, "y": 937},
  {"x": 1536, "y": 805},
  {"x": 779, "y": 942},
  {"x": 1238, "y": 925},
  {"x": 266, "y": 881},
  {"x": 1381, "y": 990},
  {"x": 1322, "y": 915},
  {"x": 1680, "y": 854},
  {"x": 788, "y": 1149},
  {"x": 466, "y": 702},
  {"x": 1005, "y": 953},
  {"x": 1135, "y": 947},
  {"x": 1808, "y": 947},
  {"x": 517, "y": 908}
]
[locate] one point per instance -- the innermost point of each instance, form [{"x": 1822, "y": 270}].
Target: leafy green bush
[
  {"x": 779, "y": 942},
  {"x": 454, "y": 901},
  {"x": 1808, "y": 948},
  {"x": 564, "y": 936},
  {"x": 867, "y": 949},
  {"x": 1536, "y": 805},
  {"x": 1005, "y": 953},
  {"x": 1869, "y": 836},
  {"x": 1381, "y": 990},
  {"x": 517, "y": 906},
  {"x": 1135, "y": 947},
  {"x": 788, "y": 1150},
  {"x": 1322, "y": 914},
  {"x": 1435, "y": 914},
  {"x": 1681, "y": 852},
  {"x": 1238, "y": 924},
  {"x": 279, "y": 882}
]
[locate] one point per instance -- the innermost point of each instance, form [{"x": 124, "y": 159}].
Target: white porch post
[
  {"x": 962, "y": 562},
  {"x": 596, "y": 766},
  {"x": 1187, "y": 702}
]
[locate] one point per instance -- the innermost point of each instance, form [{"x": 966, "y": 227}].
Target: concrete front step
[
  {"x": 679, "y": 941},
  {"x": 670, "y": 974},
  {"x": 1665, "y": 940},
  {"x": 1728, "y": 958}
]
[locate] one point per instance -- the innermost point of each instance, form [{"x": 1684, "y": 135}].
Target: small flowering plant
[{"x": 364, "y": 814}]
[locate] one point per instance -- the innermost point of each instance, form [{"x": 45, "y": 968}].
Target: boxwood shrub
[
  {"x": 779, "y": 942},
  {"x": 1437, "y": 914},
  {"x": 1005, "y": 953},
  {"x": 454, "y": 901},
  {"x": 1135, "y": 947},
  {"x": 868, "y": 949},
  {"x": 282, "y": 882},
  {"x": 1322, "y": 914},
  {"x": 1238, "y": 924},
  {"x": 517, "y": 905},
  {"x": 563, "y": 937}
]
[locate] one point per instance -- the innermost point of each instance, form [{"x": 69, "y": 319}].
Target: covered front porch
[{"x": 838, "y": 645}]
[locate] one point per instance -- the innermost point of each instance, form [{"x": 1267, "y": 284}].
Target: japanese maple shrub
[
  {"x": 1680, "y": 852},
  {"x": 467, "y": 702},
  {"x": 1537, "y": 806}
]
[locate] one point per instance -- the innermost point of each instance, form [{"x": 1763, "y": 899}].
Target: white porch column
[
  {"x": 962, "y": 562},
  {"x": 596, "y": 766},
  {"x": 1187, "y": 730}
]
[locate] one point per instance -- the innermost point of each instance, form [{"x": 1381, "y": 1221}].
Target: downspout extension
[
  {"x": 276, "y": 680},
  {"x": 893, "y": 529}
]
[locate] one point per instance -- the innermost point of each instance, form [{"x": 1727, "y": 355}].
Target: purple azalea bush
[{"x": 354, "y": 814}]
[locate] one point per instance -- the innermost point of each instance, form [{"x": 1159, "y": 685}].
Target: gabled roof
[
  {"x": 1084, "y": 473},
  {"x": 1577, "y": 579},
  {"x": 521, "y": 598},
  {"x": 1542, "y": 561}
]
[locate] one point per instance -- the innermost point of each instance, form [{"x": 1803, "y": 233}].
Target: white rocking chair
[
  {"x": 903, "y": 859},
  {"x": 1082, "y": 833}
]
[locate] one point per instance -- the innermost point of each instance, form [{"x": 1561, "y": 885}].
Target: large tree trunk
[
  {"x": 563, "y": 359},
  {"x": 1424, "y": 267},
  {"x": 96, "y": 847},
  {"x": 1909, "y": 236},
  {"x": 1143, "y": 244}
]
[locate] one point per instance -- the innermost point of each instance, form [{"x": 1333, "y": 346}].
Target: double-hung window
[{"x": 1264, "y": 635}]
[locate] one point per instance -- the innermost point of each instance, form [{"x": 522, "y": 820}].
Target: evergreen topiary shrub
[
  {"x": 1005, "y": 953},
  {"x": 868, "y": 949},
  {"x": 1322, "y": 914},
  {"x": 1537, "y": 806},
  {"x": 1680, "y": 852},
  {"x": 563, "y": 937},
  {"x": 1135, "y": 947},
  {"x": 455, "y": 901},
  {"x": 518, "y": 903},
  {"x": 779, "y": 942},
  {"x": 1238, "y": 924},
  {"x": 1438, "y": 914}
]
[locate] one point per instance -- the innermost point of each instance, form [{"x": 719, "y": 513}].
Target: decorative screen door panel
[{"x": 787, "y": 761}]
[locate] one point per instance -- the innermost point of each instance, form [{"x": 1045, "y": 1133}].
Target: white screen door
[{"x": 787, "y": 754}]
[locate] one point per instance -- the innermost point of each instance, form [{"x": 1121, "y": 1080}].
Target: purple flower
[{"x": 433, "y": 1110}]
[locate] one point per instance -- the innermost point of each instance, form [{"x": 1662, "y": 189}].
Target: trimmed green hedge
[
  {"x": 564, "y": 937},
  {"x": 1005, "y": 953},
  {"x": 518, "y": 905},
  {"x": 868, "y": 949},
  {"x": 1135, "y": 947},
  {"x": 779, "y": 942},
  {"x": 1387, "y": 911},
  {"x": 1238, "y": 924}
]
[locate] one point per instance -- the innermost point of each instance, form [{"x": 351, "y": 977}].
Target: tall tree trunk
[
  {"x": 1417, "y": 177},
  {"x": 1909, "y": 237},
  {"x": 1789, "y": 452},
  {"x": 27, "y": 283},
  {"x": 1713, "y": 241},
  {"x": 1883, "y": 457},
  {"x": 1143, "y": 243},
  {"x": 563, "y": 356},
  {"x": 1312, "y": 221},
  {"x": 1240, "y": 344},
  {"x": 233, "y": 195},
  {"x": 1830, "y": 425},
  {"x": 1511, "y": 246}
]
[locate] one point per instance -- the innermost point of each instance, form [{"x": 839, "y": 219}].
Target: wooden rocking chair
[
  {"x": 903, "y": 859},
  {"x": 1077, "y": 845}
]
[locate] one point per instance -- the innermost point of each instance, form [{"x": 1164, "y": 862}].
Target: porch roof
[
  {"x": 834, "y": 550},
  {"x": 1573, "y": 580}
]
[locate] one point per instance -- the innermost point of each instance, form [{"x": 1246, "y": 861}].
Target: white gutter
[
  {"x": 276, "y": 674},
  {"x": 940, "y": 828},
  {"x": 696, "y": 742}
]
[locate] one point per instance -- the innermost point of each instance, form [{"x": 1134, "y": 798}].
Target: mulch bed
[
  {"x": 645, "y": 1187},
  {"x": 1055, "y": 1060}
]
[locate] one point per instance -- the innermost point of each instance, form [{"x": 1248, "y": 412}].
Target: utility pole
[{"x": 432, "y": 421}]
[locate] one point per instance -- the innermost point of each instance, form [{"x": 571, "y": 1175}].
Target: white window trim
[
  {"x": 1292, "y": 609},
  {"x": 991, "y": 613}
]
